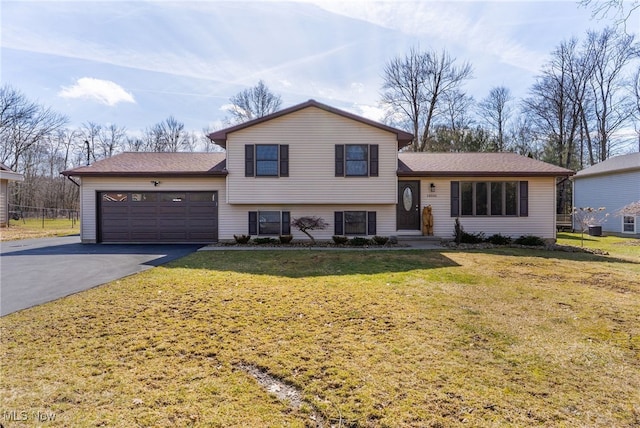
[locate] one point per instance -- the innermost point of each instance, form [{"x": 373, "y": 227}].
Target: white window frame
[{"x": 634, "y": 223}]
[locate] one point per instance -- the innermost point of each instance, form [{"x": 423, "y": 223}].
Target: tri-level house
[{"x": 312, "y": 160}]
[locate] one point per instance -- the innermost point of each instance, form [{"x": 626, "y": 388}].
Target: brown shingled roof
[
  {"x": 475, "y": 165},
  {"x": 160, "y": 164},
  {"x": 220, "y": 137}
]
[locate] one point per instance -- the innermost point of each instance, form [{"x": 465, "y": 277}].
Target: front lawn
[{"x": 505, "y": 337}]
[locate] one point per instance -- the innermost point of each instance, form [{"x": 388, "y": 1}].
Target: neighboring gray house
[
  {"x": 6, "y": 175},
  {"x": 613, "y": 184}
]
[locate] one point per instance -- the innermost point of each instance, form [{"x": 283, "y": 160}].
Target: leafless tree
[
  {"x": 416, "y": 84},
  {"x": 612, "y": 107},
  {"x": 621, "y": 11},
  {"x": 24, "y": 125},
  {"x": 111, "y": 140},
  {"x": 496, "y": 110},
  {"x": 90, "y": 133},
  {"x": 253, "y": 103},
  {"x": 635, "y": 93},
  {"x": 167, "y": 136}
]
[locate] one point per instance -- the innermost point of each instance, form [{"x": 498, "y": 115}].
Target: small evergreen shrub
[
  {"x": 242, "y": 239},
  {"x": 339, "y": 240},
  {"x": 285, "y": 239},
  {"x": 380, "y": 240},
  {"x": 263, "y": 241},
  {"x": 498, "y": 239},
  {"x": 530, "y": 240},
  {"x": 472, "y": 238},
  {"x": 359, "y": 241}
]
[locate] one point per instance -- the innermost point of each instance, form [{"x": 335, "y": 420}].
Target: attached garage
[
  {"x": 141, "y": 197},
  {"x": 144, "y": 216}
]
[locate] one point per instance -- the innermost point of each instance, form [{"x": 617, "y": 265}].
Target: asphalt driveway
[{"x": 36, "y": 271}]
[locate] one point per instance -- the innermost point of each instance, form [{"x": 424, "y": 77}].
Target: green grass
[
  {"x": 37, "y": 228},
  {"x": 392, "y": 338},
  {"x": 619, "y": 246}
]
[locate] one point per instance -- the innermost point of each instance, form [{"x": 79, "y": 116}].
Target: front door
[{"x": 408, "y": 208}]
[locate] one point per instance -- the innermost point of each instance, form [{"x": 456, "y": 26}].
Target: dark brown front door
[{"x": 408, "y": 208}]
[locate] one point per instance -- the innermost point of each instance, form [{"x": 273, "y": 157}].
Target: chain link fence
[{"x": 42, "y": 216}]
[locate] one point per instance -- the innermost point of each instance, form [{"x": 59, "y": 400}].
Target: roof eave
[
  {"x": 73, "y": 173},
  {"x": 482, "y": 174}
]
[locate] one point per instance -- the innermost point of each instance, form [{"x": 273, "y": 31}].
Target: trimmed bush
[
  {"x": 499, "y": 239},
  {"x": 242, "y": 239},
  {"x": 359, "y": 241},
  {"x": 380, "y": 240},
  {"x": 263, "y": 241},
  {"x": 339, "y": 240},
  {"x": 472, "y": 238},
  {"x": 530, "y": 240},
  {"x": 285, "y": 239}
]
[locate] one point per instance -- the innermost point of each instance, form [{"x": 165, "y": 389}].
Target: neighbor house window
[
  {"x": 355, "y": 223},
  {"x": 489, "y": 198},
  {"x": 356, "y": 160},
  {"x": 269, "y": 223},
  {"x": 628, "y": 224},
  {"x": 266, "y": 160}
]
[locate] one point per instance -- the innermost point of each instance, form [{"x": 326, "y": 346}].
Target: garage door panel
[{"x": 158, "y": 217}]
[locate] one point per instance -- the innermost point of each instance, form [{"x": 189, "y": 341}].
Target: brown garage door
[{"x": 158, "y": 216}]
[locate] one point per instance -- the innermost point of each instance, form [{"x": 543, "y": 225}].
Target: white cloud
[{"x": 103, "y": 91}]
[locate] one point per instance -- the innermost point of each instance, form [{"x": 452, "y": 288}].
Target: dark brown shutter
[
  {"x": 249, "y": 160},
  {"x": 371, "y": 223},
  {"x": 286, "y": 223},
  {"x": 284, "y": 160},
  {"x": 524, "y": 199},
  {"x": 339, "y": 160},
  {"x": 253, "y": 222},
  {"x": 338, "y": 223},
  {"x": 373, "y": 160},
  {"x": 455, "y": 198}
]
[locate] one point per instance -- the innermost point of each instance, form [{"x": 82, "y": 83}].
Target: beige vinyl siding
[
  {"x": 540, "y": 222},
  {"x": 236, "y": 219},
  {"x": 4, "y": 203},
  {"x": 92, "y": 185},
  {"x": 312, "y": 134}
]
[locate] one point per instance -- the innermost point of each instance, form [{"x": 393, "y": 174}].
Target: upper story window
[
  {"x": 356, "y": 160},
  {"x": 493, "y": 198},
  {"x": 266, "y": 160}
]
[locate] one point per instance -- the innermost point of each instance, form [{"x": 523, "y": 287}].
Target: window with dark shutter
[
  {"x": 455, "y": 198},
  {"x": 339, "y": 160},
  {"x": 373, "y": 160},
  {"x": 253, "y": 222},
  {"x": 524, "y": 199},
  {"x": 338, "y": 222},
  {"x": 284, "y": 160},
  {"x": 249, "y": 160},
  {"x": 371, "y": 223},
  {"x": 286, "y": 223}
]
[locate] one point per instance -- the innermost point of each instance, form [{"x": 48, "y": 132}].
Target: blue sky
[{"x": 134, "y": 63}]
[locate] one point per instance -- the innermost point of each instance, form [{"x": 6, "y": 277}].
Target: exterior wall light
[{"x": 432, "y": 187}]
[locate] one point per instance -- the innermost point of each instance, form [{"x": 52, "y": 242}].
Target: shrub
[
  {"x": 285, "y": 239},
  {"x": 242, "y": 239},
  {"x": 380, "y": 240},
  {"x": 458, "y": 230},
  {"x": 339, "y": 240},
  {"x": 262, "y": 241},
  {"x": 530, "y": 240},
  {"x": 305, "y": 224},
  {"x": 359, "y": 241},
  {"x": 472, "y": 238},
  {"x": 498, "y": 239}
]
